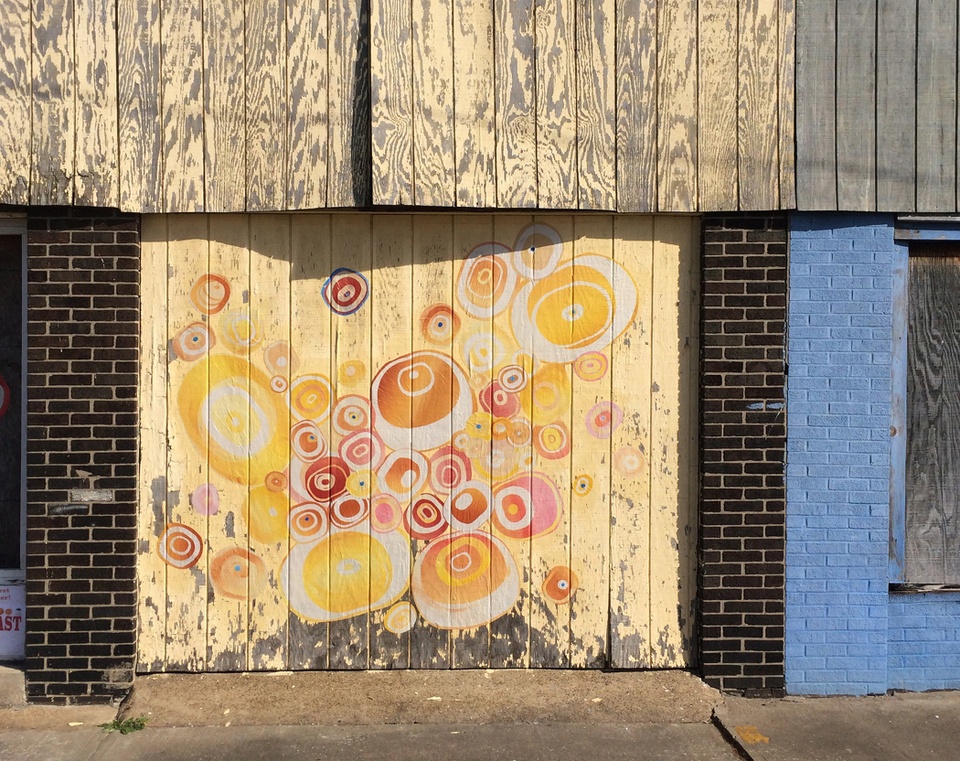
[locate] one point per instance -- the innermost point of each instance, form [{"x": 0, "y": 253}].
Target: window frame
[{"x": 16, "y": 224}]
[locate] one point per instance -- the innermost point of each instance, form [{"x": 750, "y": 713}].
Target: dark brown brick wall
[
  {"x": 82, "y": 353},
  {"x": 742, "y": 446}
]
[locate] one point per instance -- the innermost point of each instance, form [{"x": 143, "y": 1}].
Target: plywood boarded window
[
  {"x": 932, "y": 546},
  {"x": 418, "y": 441}
]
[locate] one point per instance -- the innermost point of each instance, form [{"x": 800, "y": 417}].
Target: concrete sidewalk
[{"x": 897, "y": 727}]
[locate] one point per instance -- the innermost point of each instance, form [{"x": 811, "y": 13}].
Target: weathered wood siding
[
  {"x": 418, "y": 441},
  {"x": 186, "y": 105},
  {"x": 622, "y": 105},
  {"x": 876, "y": 115}
]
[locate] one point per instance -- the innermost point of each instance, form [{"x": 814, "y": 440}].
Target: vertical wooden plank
[
  {"x": 138, "y": 76},
  {"x": 97, "y": 153},
  {"x": 717, "y": 162},
  {"x": 470, "y": 647},
  {"x": 392, "y": 285},
  {"x": 688, "y": 436},
  {"x": 474, "y": 122},
  {"x": 677, "y": 188},
  {"x": 266, "y": 105},
  {"x": 550, "y": 622},
  {"x": 151, "y": 570},
  {"x": 590, "y": 463},
  {"x": 16, "y": 43},
  {"x": 187, "y": 457},
  {"x": 270, "y": 298},
  {"x": 816, "y": 105},
  {"x": 228, "y": 530},
  {"x": 350, "y": 243},
  {"x": 787, "y": 104},
  {"x": 510, "y": 633},
  {"x": 516, "y": 126},
  {"x": 433, "y": 145},
  {"x": 757, "y": 135},
  {"x": 898, "y": 416},
  {"x": 668, "y": 511},
  {"x": 596, "y": 121},
  {"x": 933, "y": 414},
  {"x": 224, "y": 147},
  {"x": 856, "y": 105},
  {"x": 348, "y": 105},
  {"x": 936, "y": 106},
  {"x": 630, "y": 506},
  {"x": 306, "y": 89},
  {"x": 556, "y": 87},
  {"x": 311, "y": 338},
  {"x": 181, "y": 36},
  {"x": 432, "y": 266},
  {"x": 54, "y": 125},
  {"x": 637, "y": 105},
  {"x": 391, "y": 93},
  {"x": 896, "y": 107}
]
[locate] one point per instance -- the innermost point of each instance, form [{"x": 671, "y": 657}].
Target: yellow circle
[
  {"x": 268, "y": 511},
  {"x": 347, "y": 570}
]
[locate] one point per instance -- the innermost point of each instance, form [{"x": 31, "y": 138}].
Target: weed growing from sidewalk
[{"x": 126, "y": 726}]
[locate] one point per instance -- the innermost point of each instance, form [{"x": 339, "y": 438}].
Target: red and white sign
[{"x": 12, "y": 607}]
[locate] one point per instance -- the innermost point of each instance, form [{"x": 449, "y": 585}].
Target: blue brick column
[{"x": 838, "y": 453}]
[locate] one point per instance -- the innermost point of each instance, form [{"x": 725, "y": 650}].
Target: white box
[{"x": 12, "y": 608}]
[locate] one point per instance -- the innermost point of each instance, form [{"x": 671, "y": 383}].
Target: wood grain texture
[
  {"x": 856, "y": 105},
  {"x": 757, "y": 135},
  {"x": 936, "y": 106},
  {"x": 896, "y": 107},
  {"x": 787, "y": 98},
  {"x": 266, "y": 105},
  {"x": 182, "y": 98},
  {"x": 677, "y": 106},
  {"x": 351, "y": 335},
  {"x": 270, "y": 265},
  {"x": 516, "y": 107},
  {"x": 187, "y": 463},
  {"x": 349, "y": 164},
  {"x": 590, "y": 464},
  {"x": 153, "y": 484},
  {"x": 228, "y": 624},
  {"x": 306, "y": 91},
  {"x": 53, "y": 92},
  {"x": 556, "y": 87},
  {"x": 630, "y": 506},
  {"x": 391, "y": 92},
  {"x": 596, "y": 125},
  {"x": 311, "y": 335},
  {"x": 16, "y": 42},
  {"x": 717, "y": 159},
  {"x": 433, "y": 266},
  {"x": 933, "y": 414},
  {"x": 898, "y": 416},
  {"x": 393, "y": 283},
  {"x": 138, "y": 105},
  {"x": 96, "y": 182},
  {"x": 637, "y": 105},
  {"x": 816, "y": 105},
  {"x": 224, "y": 143},
  {"x": 433, "y": 127}
]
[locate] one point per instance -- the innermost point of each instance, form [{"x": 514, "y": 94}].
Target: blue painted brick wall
[
  {"x": 923, "y": 650},
  {"x": 838, "y": 453}
]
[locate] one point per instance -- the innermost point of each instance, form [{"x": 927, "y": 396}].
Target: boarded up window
[{"x": 933, "y": 417}]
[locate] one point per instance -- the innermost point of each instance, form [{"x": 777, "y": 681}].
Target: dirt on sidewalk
[{"x": 422, "y": 697}]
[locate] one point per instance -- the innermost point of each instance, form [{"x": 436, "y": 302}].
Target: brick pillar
[
  {"x": 742, "y": 445},
  {"x": 82, "y": 325}
]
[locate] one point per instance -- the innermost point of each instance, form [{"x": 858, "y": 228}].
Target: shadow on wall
[{"x": 426, "y": 440}]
